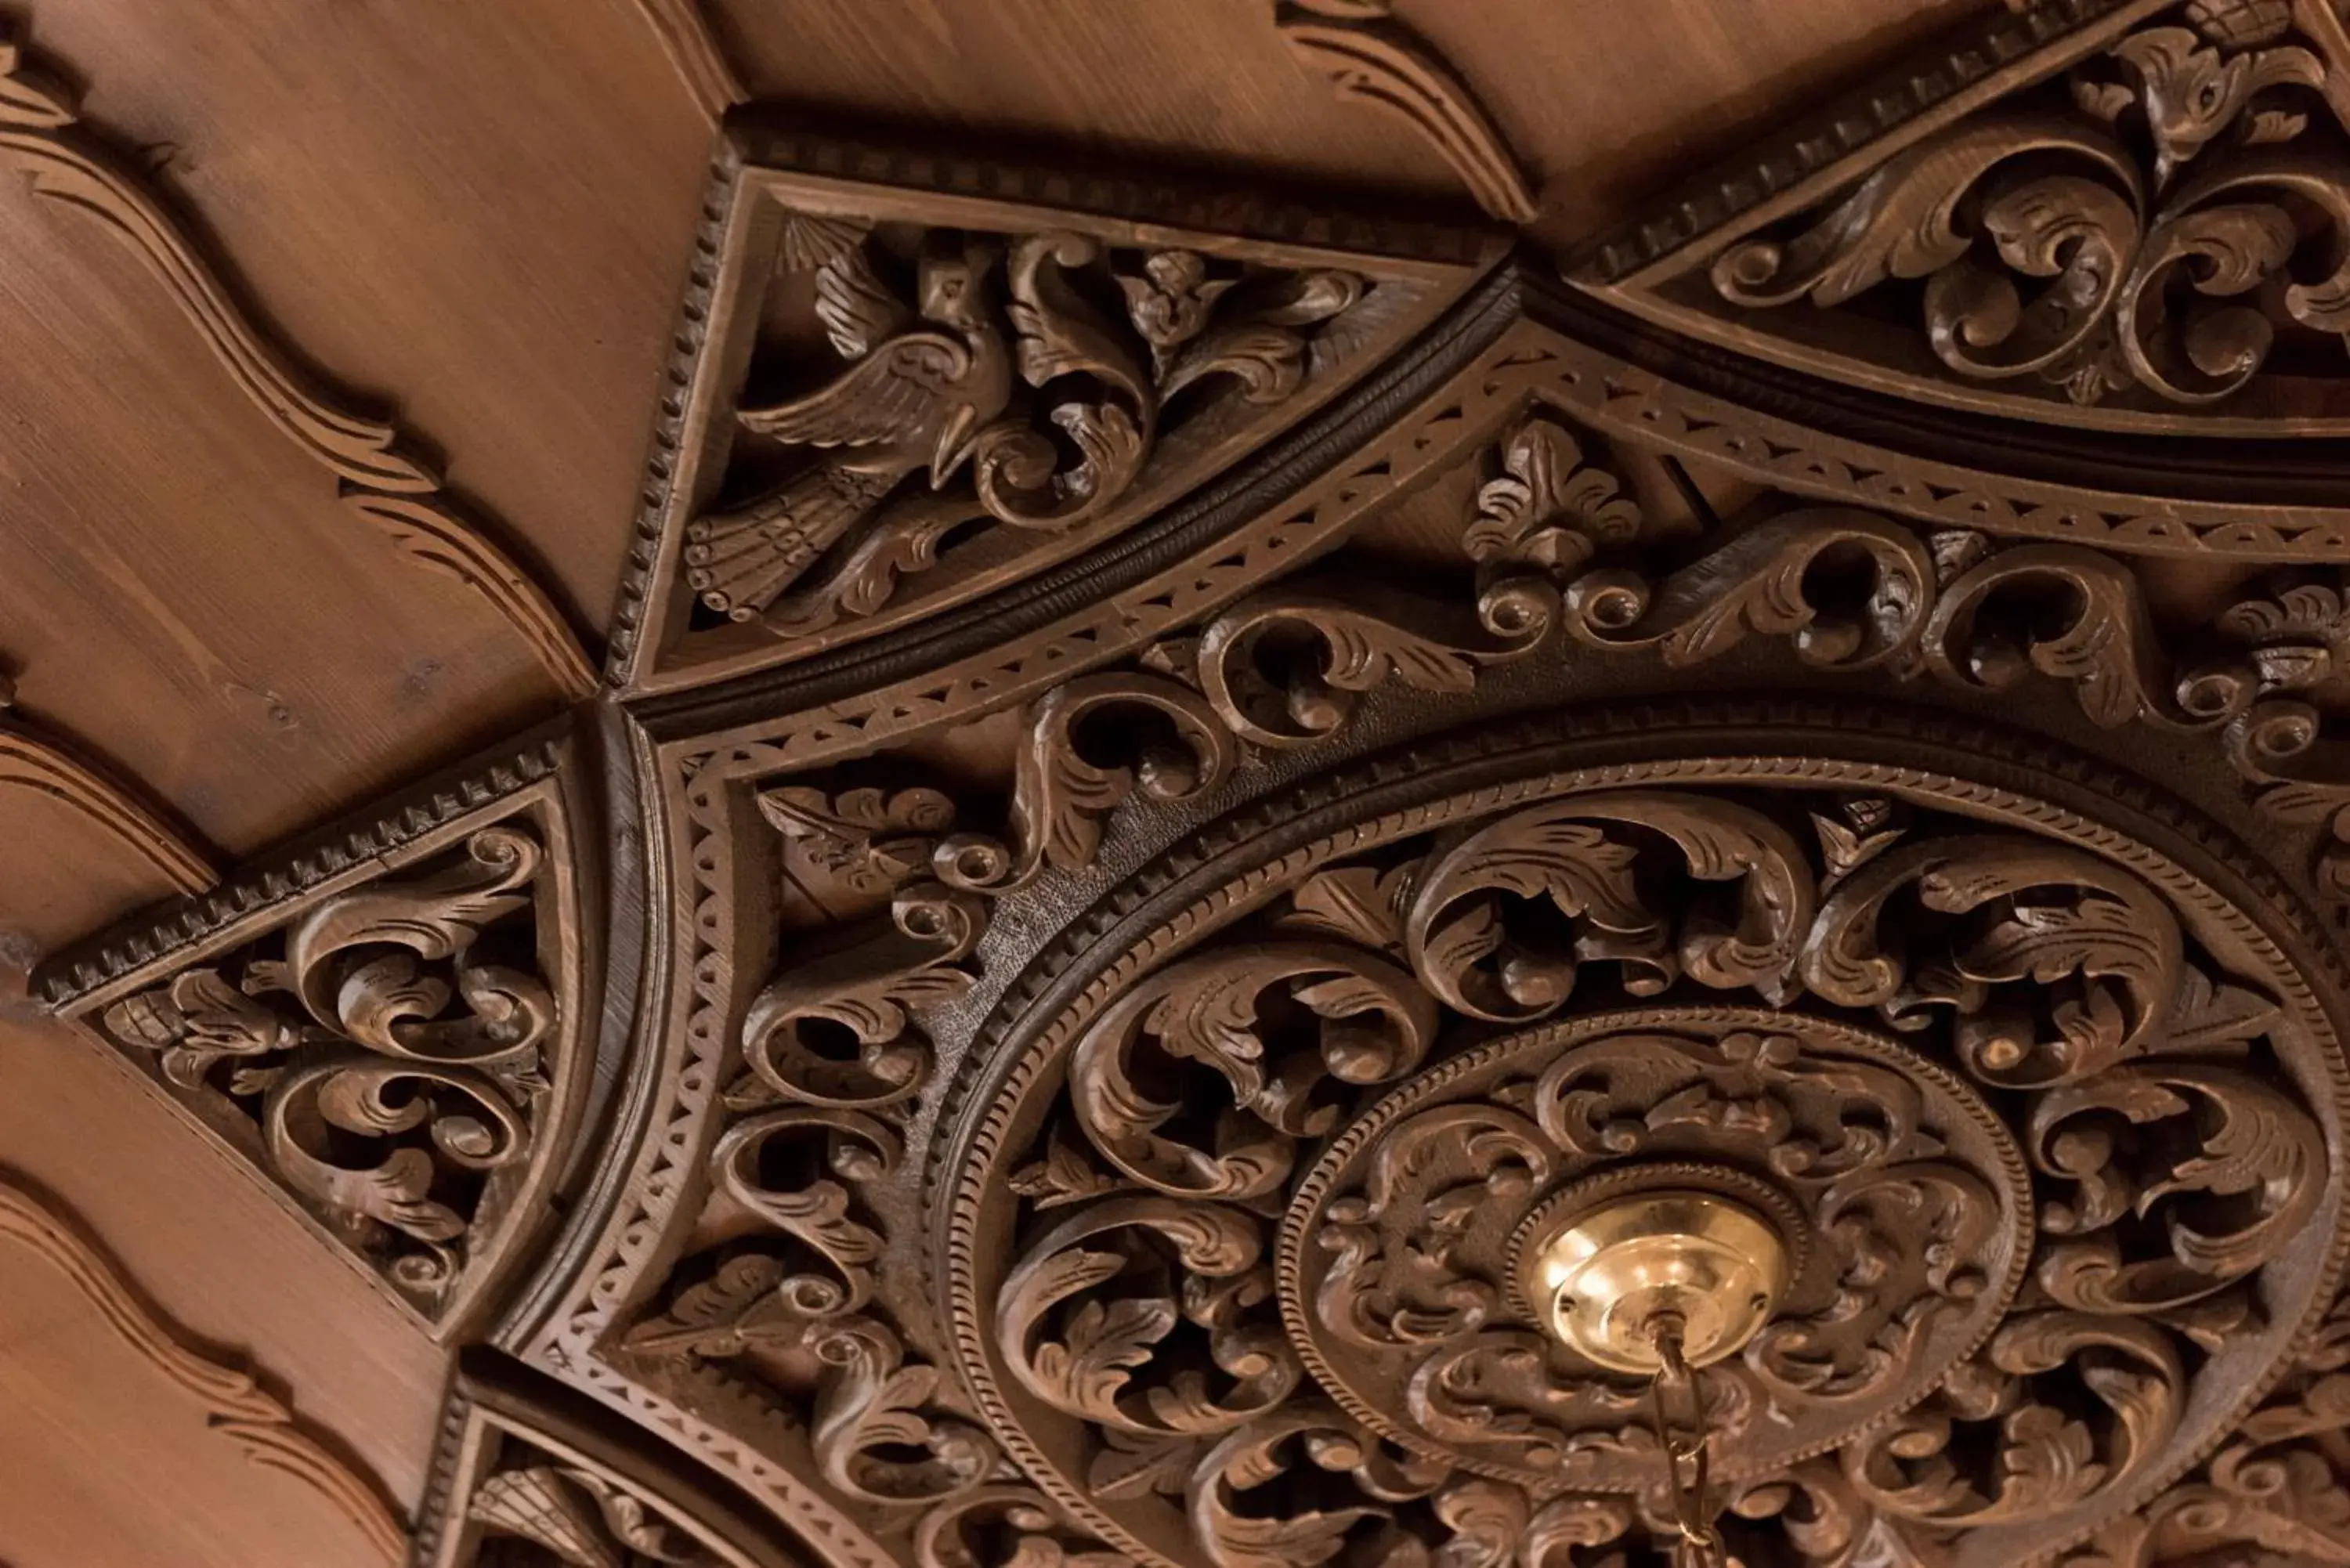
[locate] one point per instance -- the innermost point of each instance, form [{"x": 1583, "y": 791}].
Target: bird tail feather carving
[{"x": 739, "y": 561}]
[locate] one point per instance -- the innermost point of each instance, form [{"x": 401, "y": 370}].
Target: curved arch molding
[{"x": 31, "y": 761}]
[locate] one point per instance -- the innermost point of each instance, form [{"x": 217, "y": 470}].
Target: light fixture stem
[{"x": 1700, "y": 1543}]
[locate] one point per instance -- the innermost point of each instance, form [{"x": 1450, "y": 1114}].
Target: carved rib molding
[
  {"x": 694, "y": 52},
  {"x": 41, "y": 133},
  {"x": 264, "y": 1428},
  {"x": 47, "y": 767},
  {"x": 1371, "y": 57}
]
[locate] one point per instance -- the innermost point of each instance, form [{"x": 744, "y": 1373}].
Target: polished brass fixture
[{"x": 1661, "y": 1283}]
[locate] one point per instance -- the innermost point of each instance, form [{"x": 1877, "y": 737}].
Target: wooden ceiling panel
[
  {"x": 246, "y": 1284},
  {"x": 1593, "y": 105},
  {"x": 483, "y": 222},
  {"x": 181, "y": 590},
  {"x": 1208, "y": 82}
]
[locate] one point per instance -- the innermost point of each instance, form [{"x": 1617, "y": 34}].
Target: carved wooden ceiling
[{"x": 892, "y": 784}]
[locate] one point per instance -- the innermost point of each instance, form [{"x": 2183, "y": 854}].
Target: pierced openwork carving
[
  {"x": 525, "y": 1479},
  {"x": 395, "y": 1050},
  {"x": 382, "y": 1015},
  {"x": 2146, "y": 220},
  {"x": 981, "y": 387},
  {"x": 2037, "y": 1203}
]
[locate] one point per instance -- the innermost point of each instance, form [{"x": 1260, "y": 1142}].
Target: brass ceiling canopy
[{"x": 1617, "y": 1281}]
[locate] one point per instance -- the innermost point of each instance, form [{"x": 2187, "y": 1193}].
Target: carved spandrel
[
  {"x": 2139, "y": 225},
  {"x": 387, "y": 1055},
  {"x": 995, "y": 375},
  {"x": 916, "y": 394},
  {"x": 383, "y": 1020}
]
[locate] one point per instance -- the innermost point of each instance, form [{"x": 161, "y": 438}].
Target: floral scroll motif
[
  {"x": 2025, "y": 1207},
  {"x": 2155, "y": 227},
  {"x": 1960, "y": 608},
  {"x": 387, "y": 1053},
  {"x": 991, "y": 366}
]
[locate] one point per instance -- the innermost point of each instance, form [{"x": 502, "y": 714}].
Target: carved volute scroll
[
  {"x": 1105, "y": 1138},
  {"x": 396, "y": 1045},
  {"x": 2120, "y": 215},
  {"x": 981, "y": 387}
]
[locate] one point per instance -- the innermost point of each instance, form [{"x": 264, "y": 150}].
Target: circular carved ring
[
  {"x": 1401, "y": 1236},
  {"x": 2103, "y": 1022}
]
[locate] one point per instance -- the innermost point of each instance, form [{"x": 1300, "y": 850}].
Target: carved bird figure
[{"x": 923, "y": 384}]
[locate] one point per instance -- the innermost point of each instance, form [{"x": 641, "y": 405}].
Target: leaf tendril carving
[{"x": 386, "y": 1027}]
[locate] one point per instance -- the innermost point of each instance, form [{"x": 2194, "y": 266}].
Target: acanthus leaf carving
[
  {"x": 1368, "y": 1021},
  {"x": 997, "y": 362},
  {"x": 1361, "y": 635},
  {"x": 386, "y": 1027},
  {"x": 1060, "y": 795},
  {"x": 1459, "y": 936}
]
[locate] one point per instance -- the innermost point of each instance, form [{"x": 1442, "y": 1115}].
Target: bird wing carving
[
  {"x": 900, "y": 393},
  {"x": 857, "y": 309}
]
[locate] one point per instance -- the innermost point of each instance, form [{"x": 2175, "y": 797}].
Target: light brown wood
[{"x": 215, "y": 1256}]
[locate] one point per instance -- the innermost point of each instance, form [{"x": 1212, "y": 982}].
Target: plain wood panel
[
  {"x": 220, "y": 1256},
  {"x": 105, "y": 1463},
  {"x": 1601, "y": 98},
  {"x": 482, "y": 213},
  {"x": 179, "y": 587}
]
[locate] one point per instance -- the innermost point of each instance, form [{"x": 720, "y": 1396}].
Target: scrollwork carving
[
  {"x": 1088, "y": 1370},
  {"x": 1756, "y": 582},
  {"x": 997, "y": 360},
  {"x": 380, "y": 1022},
  {"x": 2029, "y": 1214},
  {"x": 2136, "y": 236},
  {"x": 1060, "y": 795},
  {"x": 1269, "y": 690},
  {"x": 1460, "y": 937},
  {"x": 1365, "y": 1020}
]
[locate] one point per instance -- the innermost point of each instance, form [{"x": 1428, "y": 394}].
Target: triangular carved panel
[
  {"x": 906, "y": 378},
  {"x": 387, "y": 1021},
  {"x": 2121, "y": 213}
]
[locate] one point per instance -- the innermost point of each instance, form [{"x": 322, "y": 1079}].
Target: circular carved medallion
[
  {"x": 1999, "y": 1043},
  {"x": 1396, "y": 1258}
]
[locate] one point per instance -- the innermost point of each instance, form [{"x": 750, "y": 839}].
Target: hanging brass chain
[{"x": 1700, "y": 1543}]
